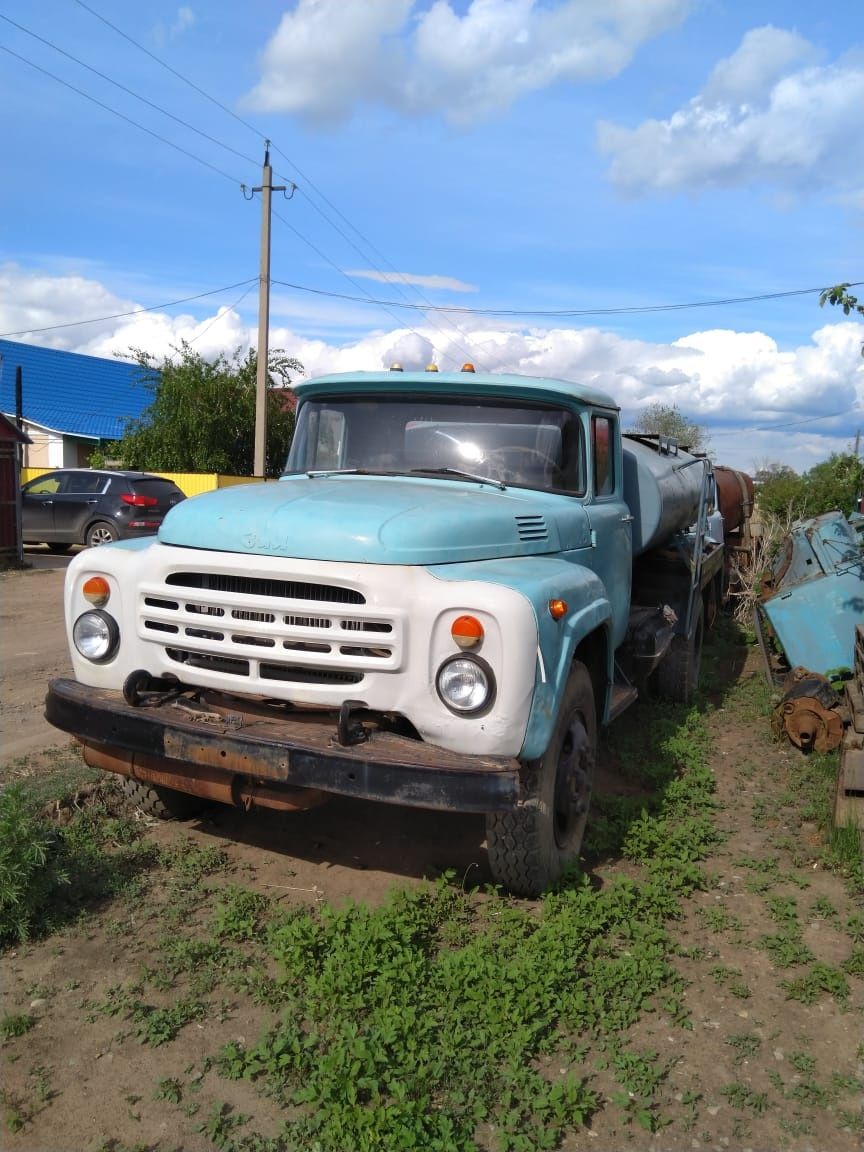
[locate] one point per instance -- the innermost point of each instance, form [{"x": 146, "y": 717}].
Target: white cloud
[
  {"x": 184, "y": 19},
  {"x": 444, "y": 283},
  {"x": 764, "y": 116},
  {"x": 758, "y": 401},
  {"x": 327, "y": 56}
]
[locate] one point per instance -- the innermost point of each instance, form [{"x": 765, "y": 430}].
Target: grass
[{"x": 451, "y": 1018}]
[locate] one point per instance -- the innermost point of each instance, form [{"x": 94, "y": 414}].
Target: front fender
[{"x": 541, "y": 579}]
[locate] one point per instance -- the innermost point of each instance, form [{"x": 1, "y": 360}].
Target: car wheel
[{"x": 101, "y": 533}]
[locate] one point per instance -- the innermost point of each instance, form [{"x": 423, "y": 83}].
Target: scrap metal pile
[{"x": 811, "y": 617}]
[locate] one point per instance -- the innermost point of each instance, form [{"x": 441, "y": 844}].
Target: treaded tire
[
  {"x": 163, "y": 803},
  {"x": 530, "y": 848},
  {"x": 678, "y": 673}
]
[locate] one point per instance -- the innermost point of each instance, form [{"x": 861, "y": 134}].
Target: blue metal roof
[{"x": 67, "y": 392}]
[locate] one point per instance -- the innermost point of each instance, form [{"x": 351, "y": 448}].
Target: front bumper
[{"x": 289, "y": 748}]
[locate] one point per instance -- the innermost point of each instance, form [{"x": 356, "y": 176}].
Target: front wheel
[
  {"x": 530, "y": 849},
  {"x": 163, "y": 803},
  {"x": 101, "y": 533}
]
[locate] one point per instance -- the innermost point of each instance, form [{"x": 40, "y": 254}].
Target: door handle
[
  {"x": 47, "y": 503},
  {"x": 627, "y": 519},
  {"x": 92, "y": 501}
]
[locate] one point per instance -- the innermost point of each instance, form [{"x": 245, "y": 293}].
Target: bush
[{"x": 30, "y": 868}]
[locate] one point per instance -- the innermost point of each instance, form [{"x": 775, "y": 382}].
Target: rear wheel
[
  {"x": 530, "y": 848},
  {"x": 163, "y": 803},
  {"x": 678, "y": 673},
  {"x": 101, "y": 533}
]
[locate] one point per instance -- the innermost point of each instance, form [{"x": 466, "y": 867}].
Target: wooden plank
[{"x": 849, "y": 797}]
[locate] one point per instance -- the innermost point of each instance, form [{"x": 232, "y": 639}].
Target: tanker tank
[
  {"x": 734, "y": 497},
  {"x": 662, "y": 490}
]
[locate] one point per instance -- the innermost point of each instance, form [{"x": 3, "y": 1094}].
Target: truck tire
[
  {"x": 163, "y": 803},
  {"x": 530, "y": 848},
  {"x": 678, "y": 673}
]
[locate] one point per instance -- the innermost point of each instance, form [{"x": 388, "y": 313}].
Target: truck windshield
[{"x": 533, "y": 446}]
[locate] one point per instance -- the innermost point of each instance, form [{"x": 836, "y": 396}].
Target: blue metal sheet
[{"x": 819, "y": 596}]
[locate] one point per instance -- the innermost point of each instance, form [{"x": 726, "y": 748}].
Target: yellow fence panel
[{"x": 189, "y": 483}]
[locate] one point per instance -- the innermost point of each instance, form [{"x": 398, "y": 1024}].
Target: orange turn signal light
[
  {"x": 467, "y": 367},
  {"x": 557, "y": 609},
  {"x": 97, "y": 590},
  {"x": 467, "y": 631}
]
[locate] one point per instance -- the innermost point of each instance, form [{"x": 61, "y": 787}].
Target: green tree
[
  {"x": 202, "y": 414},
  {"x": 667, "y": 420},
  {"x": 835, "y": 483},
  {"x": 841, "y": 297}
]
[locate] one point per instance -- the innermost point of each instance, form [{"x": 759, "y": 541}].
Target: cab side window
[{"x": 602, "y": 442}]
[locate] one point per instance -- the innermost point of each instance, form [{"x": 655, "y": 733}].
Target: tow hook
[
  {"x": 350, "y": 731},
  {"x": 140, "y": 688}
]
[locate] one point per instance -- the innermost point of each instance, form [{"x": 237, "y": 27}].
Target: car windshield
[{"x": 535, "y": 446}]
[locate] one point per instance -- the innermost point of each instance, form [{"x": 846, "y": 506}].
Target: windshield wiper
[
  {"x": 461, "y": 475},
  {"x": 338, "y": 472}
]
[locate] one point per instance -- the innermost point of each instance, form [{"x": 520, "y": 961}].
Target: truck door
[{"x": 611, "y": 555}]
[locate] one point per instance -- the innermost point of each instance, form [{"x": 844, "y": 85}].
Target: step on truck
[{"x": 456, "y": 581}]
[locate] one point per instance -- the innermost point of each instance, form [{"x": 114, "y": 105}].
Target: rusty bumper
[{"x": 241, "y": 744}]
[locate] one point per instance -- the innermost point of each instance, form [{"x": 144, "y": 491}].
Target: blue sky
[{"x": 521, "y": 156}]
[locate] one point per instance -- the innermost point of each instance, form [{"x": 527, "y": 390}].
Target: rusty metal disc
[{"x": 809, "y": 725}]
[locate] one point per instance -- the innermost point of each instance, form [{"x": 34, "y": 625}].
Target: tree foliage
[
  {"x": 841, "y": 297},
  {"x": 202, "y": 414},
  {"x": 667, "y": 420},
  {"x": 835, "y": 483}
]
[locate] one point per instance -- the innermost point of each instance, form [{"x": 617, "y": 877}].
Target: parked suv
[{"x": 86, "y": 506}]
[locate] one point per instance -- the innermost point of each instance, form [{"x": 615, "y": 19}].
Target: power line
[
  {"x": 789, "y": 424},
  {"x": 563, "y": 312},
  {"x": 114, "y": 112},
  {"x": 134, "y": 312},
  {"x": 221, "y": 315},
  {"x": 168, "y": 68},
  {"x": 128, "y": 91},
  {"x": 322, "y": 256},
  {"x": 230, "y": 112}
]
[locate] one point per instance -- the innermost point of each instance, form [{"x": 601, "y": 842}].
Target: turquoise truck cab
[{"x": 456, "y": 580}]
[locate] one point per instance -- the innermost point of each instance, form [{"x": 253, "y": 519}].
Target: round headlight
[
  {"x": 466, "y": 685},
  {"x": 96, "y": 636}
]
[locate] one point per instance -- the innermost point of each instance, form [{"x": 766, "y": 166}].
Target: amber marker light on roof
[
  {"x": 96, "y": 590},
  {"x": 557, "y": 609},
  {"x": 467, "y": 631},
  {"x": 431, "y": 367},
  {"x": 467, "y": 367}
]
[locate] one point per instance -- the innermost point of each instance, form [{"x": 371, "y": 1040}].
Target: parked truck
[{"x": 457, "y": 579}]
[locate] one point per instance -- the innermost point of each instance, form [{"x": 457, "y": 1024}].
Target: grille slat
[
  {"x": 258, "y": 587},
  {"x": 253, "y": 636}
]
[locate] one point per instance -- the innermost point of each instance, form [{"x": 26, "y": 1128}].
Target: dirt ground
[
  {"x": 32, "y": 650},
  {"x": 102, "y": 1083}
]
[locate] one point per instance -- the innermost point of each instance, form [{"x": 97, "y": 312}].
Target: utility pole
[{"x": 267, "y": 189}]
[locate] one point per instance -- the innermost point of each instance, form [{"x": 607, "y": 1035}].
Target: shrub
[{"x": 29, "y": 864}]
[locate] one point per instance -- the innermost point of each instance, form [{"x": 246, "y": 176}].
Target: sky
[{"x": 645, "y": 196}]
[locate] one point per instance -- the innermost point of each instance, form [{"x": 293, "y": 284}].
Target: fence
[{"x": 189, "y": 483}]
